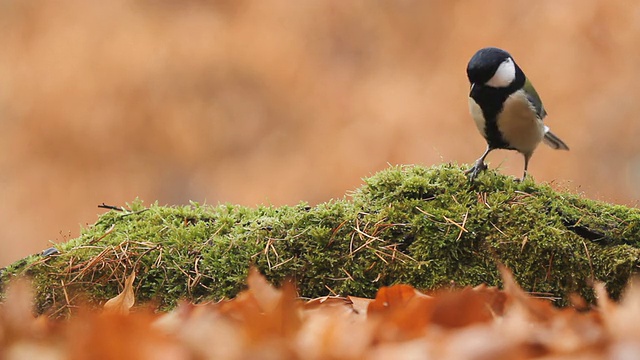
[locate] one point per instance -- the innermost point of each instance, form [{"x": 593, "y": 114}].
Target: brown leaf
[
  {"x": 265, "y": 313},
  {"x": 494, "y": 297},
  {"x": 124, "y": 301},
  {"x": 403, "y": 313},
  {"x": 264, "y": 293},
  {"x": 16, "y": 312},
  {"x": 392, "y": 297},
  {"x": 538, "y": 309},
  {"x": 260, "y": 297},
  {"x": 622, "y": 320},
  {"x": 605, "y": 304},
  {"x": 455, "y": 309},
  {"x": 334, "y": 330},
  {"x": 115, "y": 335},
  {"x": 325, "y": 301},
  {"x": 360, "y": 305}
]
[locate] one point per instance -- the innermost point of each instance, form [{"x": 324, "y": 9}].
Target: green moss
[{"x": 428, "y": 227}]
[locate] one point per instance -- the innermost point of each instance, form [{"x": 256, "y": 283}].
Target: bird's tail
[{"x": 552, "y": 140}]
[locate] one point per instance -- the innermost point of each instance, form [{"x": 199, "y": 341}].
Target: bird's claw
[{"x": 477, "y": 168}]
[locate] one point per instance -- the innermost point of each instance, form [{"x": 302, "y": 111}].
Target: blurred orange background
[{"x": 277, "y": 102}]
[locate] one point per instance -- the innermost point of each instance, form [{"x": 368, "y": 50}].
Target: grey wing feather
[
  {"x": 549, "y": 138},
  {"x": 534, "y": 98}
]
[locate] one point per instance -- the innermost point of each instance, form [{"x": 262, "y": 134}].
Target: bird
[{"x": 506, "y": 108}]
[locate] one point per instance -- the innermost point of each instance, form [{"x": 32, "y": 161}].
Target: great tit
[{"x": 505, "y": 107}]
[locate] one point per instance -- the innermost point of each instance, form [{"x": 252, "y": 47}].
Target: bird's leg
[
  {"x": 526, "y": 165},
  {"x": 479, "y": 166}
]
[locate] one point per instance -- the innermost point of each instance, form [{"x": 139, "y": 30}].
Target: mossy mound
[{"x": 428, "y": 227}]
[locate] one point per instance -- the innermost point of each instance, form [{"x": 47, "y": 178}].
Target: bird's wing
[{"x": 534, "y": 98}]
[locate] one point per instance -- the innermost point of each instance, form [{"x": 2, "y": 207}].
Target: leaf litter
[{"x": 274, "y": 323}]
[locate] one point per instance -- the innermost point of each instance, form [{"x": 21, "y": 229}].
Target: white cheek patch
[{"x": 504, "y": 76}]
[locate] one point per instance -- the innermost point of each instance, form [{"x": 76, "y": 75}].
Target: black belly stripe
[
  {"x": 490, "y": 101},
  {"x": 494, "y": 137}
]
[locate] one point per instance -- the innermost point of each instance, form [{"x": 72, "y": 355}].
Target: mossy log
[{"x": 428, "y": 227}]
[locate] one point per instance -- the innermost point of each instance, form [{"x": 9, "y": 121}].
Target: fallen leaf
[
  {"x": 115, "y": 335},
  {"x": 494, "y": 297},
  {"x": 16, "y": 312},
  {"x": 392, "y": 297},
  {"x": 124, "y": 301},
  {"x": 267, "y": 322},
  {"x": 460, "y": 308},
  {"x": 402, "y": 311},
  {"x": 360, "y": 305},
  {"x": 264, "y": 293},
  {"x": 537, "y": 309},
  {"x": 333, "y": 330}
]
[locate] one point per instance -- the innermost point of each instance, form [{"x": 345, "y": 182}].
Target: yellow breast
[{"x": 519, "y": 124}]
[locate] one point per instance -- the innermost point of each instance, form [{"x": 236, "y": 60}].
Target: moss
[{"x": 428, "y": 227}]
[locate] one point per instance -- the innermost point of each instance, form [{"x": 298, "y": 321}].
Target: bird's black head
[{"x": 492, "y": 67}]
